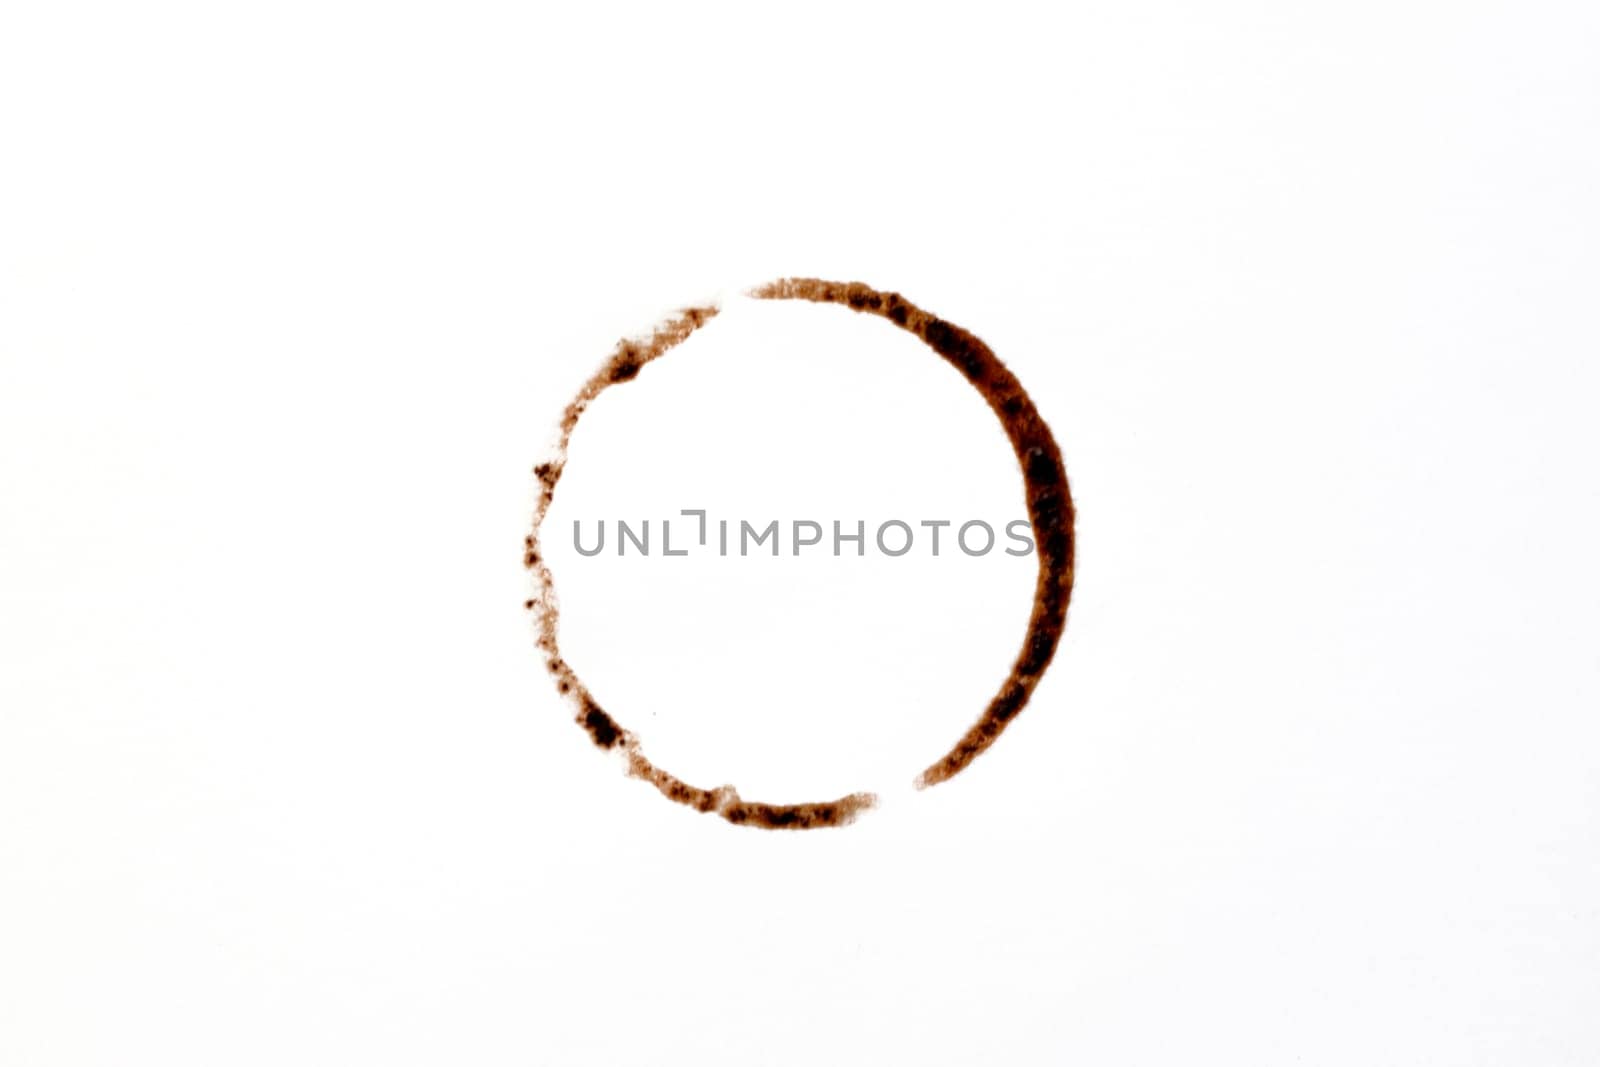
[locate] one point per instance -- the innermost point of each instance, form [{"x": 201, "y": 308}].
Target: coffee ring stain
[{"x": 1050, "y": 510}]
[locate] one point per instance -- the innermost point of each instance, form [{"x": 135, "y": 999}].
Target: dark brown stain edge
[{"x": 1044, "y": 475}]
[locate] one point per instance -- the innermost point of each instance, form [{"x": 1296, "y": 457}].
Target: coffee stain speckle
[{"x": 1050, "y": 510}]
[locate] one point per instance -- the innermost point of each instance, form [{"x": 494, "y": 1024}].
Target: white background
[{"x": 291, "y": 298}]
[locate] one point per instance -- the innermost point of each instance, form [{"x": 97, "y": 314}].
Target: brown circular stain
[{"x": 1050, "y": 511}]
